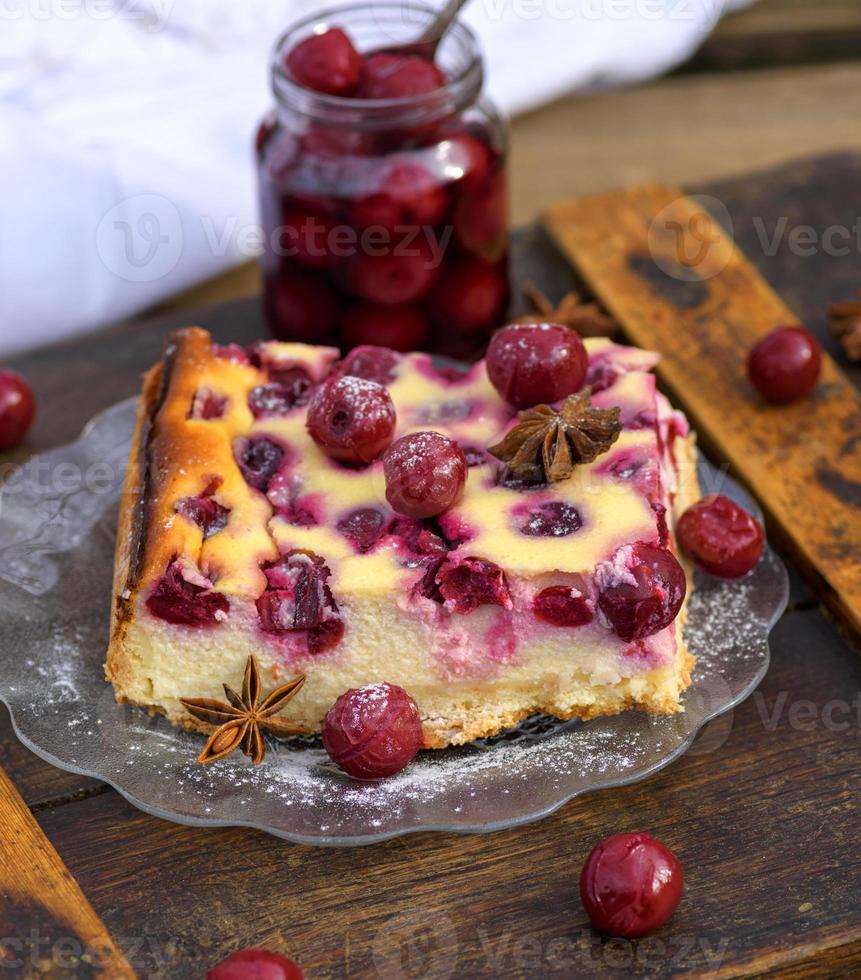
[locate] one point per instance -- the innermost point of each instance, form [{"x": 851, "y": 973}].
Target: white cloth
[{"x": 126, "y": 129}]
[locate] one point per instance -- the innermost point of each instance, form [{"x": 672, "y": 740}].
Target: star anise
[
  {"x": 846, "y": 326},
  {"x": 586, "y": 318},
  {"x": 547, "y": 445},
  {"x": 242, "y": 720}
]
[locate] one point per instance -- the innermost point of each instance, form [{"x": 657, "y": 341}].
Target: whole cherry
[
  {"x": 534, "y": 363},
  {"x": 721, "y": 537},
  {"x": 641, "y": 590},
  {"x": 17, "y": 409},
  {"x": 425, "y": 474},
  {"x": 256, "y": 964},
  {"x": 326, "y": 62},
  {"x": 301, "y": 307},
  {"x": 402, "y": 328},
  {"x": 630, "y": 885},
  {"x": 387, "y": 75},
  {"x": 468, "y": 297},
  {"x": 373, "y": 732},
  {"x": 785, "y": 365},
  {"x": 351, "y": 419}
]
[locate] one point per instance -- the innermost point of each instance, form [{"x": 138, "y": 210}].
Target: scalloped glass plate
[{"x": 57, "y": 529}]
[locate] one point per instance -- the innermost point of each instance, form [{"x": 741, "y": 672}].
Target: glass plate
[{"x": 57, "y": 528}]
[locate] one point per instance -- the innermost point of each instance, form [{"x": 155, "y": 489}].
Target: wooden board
[
  {"x": 763, "y": 811},
  {"x": 48, "y": 927},
  {"x": 672, "y": 276}
]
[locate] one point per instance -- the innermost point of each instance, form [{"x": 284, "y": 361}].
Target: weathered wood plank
[
  {"x": 673, "y": 278},
  {"x": 49, "y": 928},
  {"x": 763, "y": 812}
]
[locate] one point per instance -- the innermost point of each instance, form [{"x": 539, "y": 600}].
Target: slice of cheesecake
[{"x": 239, "y": 535}]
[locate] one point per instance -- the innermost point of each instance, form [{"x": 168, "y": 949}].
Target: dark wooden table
[{"x": 763, "y": 811}]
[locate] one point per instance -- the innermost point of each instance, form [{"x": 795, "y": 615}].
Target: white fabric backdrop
[{"x": 126, "y": 125}]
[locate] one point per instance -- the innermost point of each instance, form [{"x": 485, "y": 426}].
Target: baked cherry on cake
[{"x": 494, "y": 563}]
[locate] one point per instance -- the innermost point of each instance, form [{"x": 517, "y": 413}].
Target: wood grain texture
[
  {"x": 763, "y": 812},
  {"x": 779, "y": 32},
  {"x": 49, "y": 928},
  {"x": 674, "y": 279}
]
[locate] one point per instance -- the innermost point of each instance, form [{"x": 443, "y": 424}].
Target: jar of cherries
[{"x": 382, "y": 186}]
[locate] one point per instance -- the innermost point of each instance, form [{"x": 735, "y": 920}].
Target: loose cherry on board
[
  {"x": 425, "y": 474},
  {"x": 630, "y": 885},
  {"x": 534, "y": 363},
  {"x": 326, "y": 63},
  {"x": 373, "y": 732},
  {"x": 256, "y": 964},
  {"x": 17, "y": 409},
  {"x": 785, "y": 365},
  {"x": 351, "y": 419},
  {"x": 721, "y": 537}
]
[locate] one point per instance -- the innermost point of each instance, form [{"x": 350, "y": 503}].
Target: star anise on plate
[
  {"x": 242, "y": 719},
  {"x": 846, "y": 326},
  {"x": 547, "y": 445},
  {"x": 586, "y": 318}
]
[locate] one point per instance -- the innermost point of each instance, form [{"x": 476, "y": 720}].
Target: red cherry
[
  {"x": 373, "y": 731},
  {"x": 559, "y": 605},
  {"x": 481, "y": 218},
  {"x": 641, "y": 590},
  {"x": 207, "y": 405},
  {"x": 402, "y": 275},
  {"x": 184, "y": 603},
  {"x": 425, "y": 474},
  {"x": 630, "y": 885},
  {"x": 534, "y": 363},
  {"x": 468, "y": 298},
  {"x": 17, "y": 409},
  {"x": 362, "y": 527},
  {"x": 402, "y": 328},
  {"x": 351, "y": 419},
  {"x": 398, "y": 76},
  {"x": 469, "y": 157},
  {"x": 554, "y": 519},
  {"x": 209, "y": 515},
  {"x": 405, "y": 195},
  {"x": 721, "y": 537},
  {"x": 472, "y": 582},
  {"x": 278, "y": 397},
  {"x": 326, "y": 62},
  {"x": 308, "y": 239},
  {"x": 784, "y": 366},
  {"x": 259, "y": 459},
  {"x": 300, "y": 307},
  {"x": 299, "y": 598},
  {"x": 255, "y": 964},
  {"x": 369, "y": 362}
]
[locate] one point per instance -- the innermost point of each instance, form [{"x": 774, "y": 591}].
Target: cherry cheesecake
[{"x": 494, "y": 540}]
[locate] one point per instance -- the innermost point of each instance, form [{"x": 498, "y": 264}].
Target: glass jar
[{"x": 385, "y": 220}]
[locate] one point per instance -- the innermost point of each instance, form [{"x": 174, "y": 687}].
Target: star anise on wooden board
[
  {"x": 846, "y": 326},
  {"x": 547, "y": 445},
  {"x": 242, "y": 721},
  {"x": 586, "y": 318}
]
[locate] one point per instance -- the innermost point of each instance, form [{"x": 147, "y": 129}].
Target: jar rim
[{"x": 461, "y": 89}]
